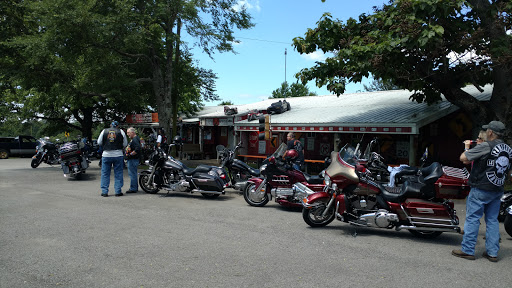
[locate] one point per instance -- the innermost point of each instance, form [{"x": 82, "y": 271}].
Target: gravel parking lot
[{"x": 58, "y": 232}]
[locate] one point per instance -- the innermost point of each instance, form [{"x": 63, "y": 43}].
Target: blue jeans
[
  {"x": 132, "y": 171},
  {"x": 106, "y": 166},
  {"x": 479, "y": 202}
]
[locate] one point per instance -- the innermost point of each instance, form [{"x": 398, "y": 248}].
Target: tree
[
  {"x": 60, "y": 72},
  {"x": 157, "y": 27},
  {"x": 224, "y": 103},
  {"x": 380, "y": 85},
  {"x": 294, "y": 90},
  {"x": 431, "y": 47}
]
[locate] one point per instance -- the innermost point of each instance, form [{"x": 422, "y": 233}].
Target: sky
[{"x": 258, "y": 67}]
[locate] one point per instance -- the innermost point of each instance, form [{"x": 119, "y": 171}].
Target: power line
[{"x": 269, "y": 41}]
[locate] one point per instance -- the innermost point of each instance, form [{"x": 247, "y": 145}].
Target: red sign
[
  {"x": 142, "y": 118},
  {"x": 253, "y": 139}
]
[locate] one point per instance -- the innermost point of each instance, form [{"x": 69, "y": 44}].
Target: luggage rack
[{"x": 456, "y": 172}]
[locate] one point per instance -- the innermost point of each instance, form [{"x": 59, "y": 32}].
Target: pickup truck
[{"x": 17, "y": 146}]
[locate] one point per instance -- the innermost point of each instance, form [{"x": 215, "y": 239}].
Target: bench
[{"x": 190, "y": 151}]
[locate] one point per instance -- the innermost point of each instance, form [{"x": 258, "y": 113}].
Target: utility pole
[{"x": 285, "y": 65}]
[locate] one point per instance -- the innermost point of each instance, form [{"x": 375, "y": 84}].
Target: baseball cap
[
  {"x": 496, "y": 126},
  {"x": 114, "y": 124}
]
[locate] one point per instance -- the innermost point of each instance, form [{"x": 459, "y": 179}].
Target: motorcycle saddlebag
[
  {"x": 453, "y": 184},
  {"x": 207, "y": 182},
  {"x": 68, "y": 150}
]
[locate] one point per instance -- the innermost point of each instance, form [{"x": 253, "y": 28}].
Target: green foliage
[
  {"x": 294, "y": 90},
  {"x": 380, "y": 85},
  {"x": 224, "y": 103},
  {"x": 430, "y": 47}
]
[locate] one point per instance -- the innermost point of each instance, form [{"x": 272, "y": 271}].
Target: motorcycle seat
[
  {"x": 313, "y": 179},
  {"x": 201, "y": 168},
  {"x": 408, "y": 190}
]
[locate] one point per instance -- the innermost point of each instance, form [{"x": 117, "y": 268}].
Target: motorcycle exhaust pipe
[
  {"x": 454, "y": 229},
  {"x": 210, "y": 192}
]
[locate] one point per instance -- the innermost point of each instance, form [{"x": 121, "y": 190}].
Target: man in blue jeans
[
  {"x": 491, "y": 162},
  {"x": 132, "y": 156},
  {"x": 113, "y": 140}
]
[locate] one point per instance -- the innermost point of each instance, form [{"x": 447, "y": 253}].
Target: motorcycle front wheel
[
  {"x": 508, "y": 224},
  {"x": 143, "y": 179},
  {"x": 35, "y": 163},
  {"x": 253, "y": 198},
  {"x": 314, "y": 218}
]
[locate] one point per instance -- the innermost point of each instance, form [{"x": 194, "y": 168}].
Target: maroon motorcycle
[
  {"x": 277, "y": 181},
  {"x": 353, "y": 195}
]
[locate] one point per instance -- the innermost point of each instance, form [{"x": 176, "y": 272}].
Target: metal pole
[{"x": 285, "y": 65}]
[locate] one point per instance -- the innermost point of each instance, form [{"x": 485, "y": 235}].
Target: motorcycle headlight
[{"x": 327, "y": 180}]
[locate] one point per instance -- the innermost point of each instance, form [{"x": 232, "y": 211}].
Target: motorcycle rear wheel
[
  {"x": 508, "y": 224},
  {"x": 250, "y": 193},
  {"x": 143, "y": 179},
  {"x": 313, "y": 216},
  {"x": 35, "y": 163},
  {"x": 425, "y": 234},
  {"x": 210, "y": 195}
]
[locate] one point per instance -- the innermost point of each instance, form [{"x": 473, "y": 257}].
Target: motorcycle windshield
[
  {"x": 343, "y": 164},
  {"x": 279, "y": 151}
]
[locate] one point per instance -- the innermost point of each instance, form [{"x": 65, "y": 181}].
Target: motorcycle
[
  {"x": 46, "y": 152},
  {"x": 74, "y": 161},
  {"x": 505, "y": 214},
  {"x": 238, "y": 171},
  {"x": 168, "y": 173},
  {"x": 277, "y": 181},
  {"x": 354, "y": 196},
  {"x": 278, "y": 107}
]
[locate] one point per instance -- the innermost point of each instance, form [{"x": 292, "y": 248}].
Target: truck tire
[{"x": 4, "y": 154}]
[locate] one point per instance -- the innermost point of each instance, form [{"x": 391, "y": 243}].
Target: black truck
[{"x": 17, "y": 146}]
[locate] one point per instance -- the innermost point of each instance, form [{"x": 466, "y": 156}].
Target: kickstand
[{"x": 355, "y": 233}]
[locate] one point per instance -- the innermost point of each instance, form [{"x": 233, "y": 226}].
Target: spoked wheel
[
  {"x": 253, "y": 197},
  {"x": 148, "y": 188},
  {"x": 314, "y": 216},
  {"x": 425, "y": 234},
  {"x": 35, "y": 162},
  {"x": 210, "y": 195},
  {"x": 4, "y": 154}
]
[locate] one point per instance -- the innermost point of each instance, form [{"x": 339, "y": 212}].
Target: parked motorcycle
[
  {"x": 277, "y": 181},
  {"x": 354, "y": 196},
  {"x": 278, "y": 107},
  {"x": 168, "y": 173},
  {"x": 73, "y": 161},
  {"x": 238, "y": 171},
  {"x": 46, "y": 152}
]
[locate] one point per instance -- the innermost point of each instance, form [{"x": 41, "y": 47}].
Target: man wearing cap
[
  {"x": 113, "y": 140},
  {"x": 491, "y": 162}
]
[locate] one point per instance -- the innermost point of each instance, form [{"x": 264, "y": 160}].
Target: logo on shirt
[
  {"x": 503, "y": 154},
  {"x": 111, "y": 136}
]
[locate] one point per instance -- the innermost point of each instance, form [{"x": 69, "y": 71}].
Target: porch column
[{"x": 412, "y": 151}]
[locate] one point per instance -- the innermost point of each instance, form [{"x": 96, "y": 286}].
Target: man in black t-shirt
[
  {"x": 296, "y": 145},
  {"x": 132, "y": 155},
  {"x": 491, "y": 163}
]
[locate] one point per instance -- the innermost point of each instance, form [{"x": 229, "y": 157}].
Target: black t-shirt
[
  {"x": 134, "y": 146},
  {"x": 297, "y": 146}
]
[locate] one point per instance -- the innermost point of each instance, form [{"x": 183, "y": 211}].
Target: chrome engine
[
  {"x": 381, "y": 219},
  {"x": 300, "y": 191},
  {"x": 180, "y": 186},
  {"x": 367, "y": 202}
]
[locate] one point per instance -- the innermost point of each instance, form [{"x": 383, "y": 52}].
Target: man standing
[
  {"x": 113, "y": 140},
  {"x": 297, "y": 146},
  {"x": 491, "y": 162},
  {"x": 132, "y": 155}
]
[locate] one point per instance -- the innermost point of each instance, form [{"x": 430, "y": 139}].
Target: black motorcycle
[
  {"x": 238, "y": 171},
  {"x": 171, "y": 175},
  {"x": 278, "y": 107},
  {"x": 46, "y": 152},
  {"x": 74, "y": 161}
]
